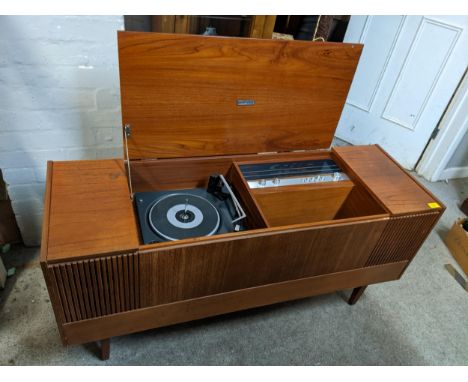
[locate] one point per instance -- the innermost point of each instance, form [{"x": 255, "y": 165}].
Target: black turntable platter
[{"x": 182, "y": 215}]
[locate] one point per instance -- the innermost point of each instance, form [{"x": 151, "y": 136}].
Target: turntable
[{"x": 182, "y": 214}]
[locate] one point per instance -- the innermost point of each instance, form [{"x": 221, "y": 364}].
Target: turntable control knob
[{"x": 276, "y": 181}]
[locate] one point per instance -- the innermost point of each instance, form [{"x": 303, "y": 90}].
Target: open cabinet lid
[{"x": 189, "y": 95}]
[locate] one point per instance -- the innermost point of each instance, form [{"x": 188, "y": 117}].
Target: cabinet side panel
[
  {"x": 83, "y": 289},
  {"x": 197, "y": 270},
  {"x": 402, "y": 238}
]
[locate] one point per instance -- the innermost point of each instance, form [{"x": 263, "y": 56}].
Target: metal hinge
[
  {"x": 128, "y": 130},
  {"x": 434, "y": 133},
  {"x": 127, "y": 133}
]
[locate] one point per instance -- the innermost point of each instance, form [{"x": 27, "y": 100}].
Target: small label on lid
[
  {"x": 433, "y": 205},
  {"x": 245, "y": 102}
]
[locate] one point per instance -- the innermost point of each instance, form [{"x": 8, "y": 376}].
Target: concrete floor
[{"x": 418, "y": 320}]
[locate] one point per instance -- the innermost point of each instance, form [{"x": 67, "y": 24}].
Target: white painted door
[{"x": 408, "y": 72}]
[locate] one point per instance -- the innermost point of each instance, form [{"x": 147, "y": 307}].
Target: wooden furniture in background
[
  {"x": 239, "y": 26},
  {"x": 262, "y": 26},
  {"x": 171, "y": 24},
  {"x": 103, "y": 282},
  {"x": 322, "y": 28}
]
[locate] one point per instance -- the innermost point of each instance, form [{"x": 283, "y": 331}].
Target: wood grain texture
[
  {"x": 257, "y": 26},
  {"x": 269, "y": 26},
  {"x": 181, "y": 173},
  {"x": 385, "y": 179},
  {"x": 163, "y": 23},
  {"x": 359, "y": 203},
  {"x": 179, "y": 93},
  {"x": 262, "y": 26},
  {"x": 181, "y": 24},
  {"x": 200, "y": 269},
  {"x": 255, "y": 217},
  {"x": 90, "y": 210},
  {"x": 94, "y": 288},
  {"x": 60, "y": 310},
  {"x": 403, "y": 237},
  {"x": 207, "y": 306},
  {"x": 303, "y": 203}
]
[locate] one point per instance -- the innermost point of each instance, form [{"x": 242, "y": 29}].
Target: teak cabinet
[{"x": 183, "y": 124}]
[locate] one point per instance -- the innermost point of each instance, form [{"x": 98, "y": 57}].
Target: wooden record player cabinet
[{"x": 180, "y": 100}]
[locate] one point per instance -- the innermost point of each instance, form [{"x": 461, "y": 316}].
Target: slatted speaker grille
[
  {"x": 402, "y": 238},
  {"x": 97, "y": 287}
]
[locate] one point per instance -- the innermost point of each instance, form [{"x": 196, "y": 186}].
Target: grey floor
[{"x": 418, "y": 320}]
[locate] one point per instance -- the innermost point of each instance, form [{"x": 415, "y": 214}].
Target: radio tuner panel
[{"x": 278, "y": 174}]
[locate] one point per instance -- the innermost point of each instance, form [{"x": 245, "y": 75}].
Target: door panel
[{"x": 409, "y": 69}]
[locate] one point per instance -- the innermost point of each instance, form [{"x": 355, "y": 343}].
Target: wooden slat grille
[
  {"x": 402, "y": 238},
  {"x": 97, "y": 287}
]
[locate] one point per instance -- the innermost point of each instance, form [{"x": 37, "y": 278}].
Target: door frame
[{"x": 450, "y": 131}]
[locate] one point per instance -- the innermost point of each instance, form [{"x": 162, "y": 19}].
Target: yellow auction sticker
[{"x": 433, "y": 205}]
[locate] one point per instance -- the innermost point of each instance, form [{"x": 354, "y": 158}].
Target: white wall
[
  {"x": 59, "y": 99},
  {"x": 460, "y": 156},
  {"x": 457, "y": 166}
]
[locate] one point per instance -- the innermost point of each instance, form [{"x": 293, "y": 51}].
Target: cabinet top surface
[
  {"x": 387, "y": 180},
  {"x": 90, "y": 210},
  {"x": 188, "y": 96}
]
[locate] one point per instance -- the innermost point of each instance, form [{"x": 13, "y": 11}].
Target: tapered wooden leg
[
  {"x": 105, "y": 349},
  {"x": 357, "y": 292}
]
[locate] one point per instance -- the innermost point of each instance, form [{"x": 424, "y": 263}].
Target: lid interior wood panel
[{"x": 179, "y": 93}]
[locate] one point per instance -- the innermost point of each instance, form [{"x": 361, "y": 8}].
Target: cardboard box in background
[{"x": 457, "y": 242}]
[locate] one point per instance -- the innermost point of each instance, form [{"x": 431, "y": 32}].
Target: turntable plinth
[{"x": 104, "y": 282}]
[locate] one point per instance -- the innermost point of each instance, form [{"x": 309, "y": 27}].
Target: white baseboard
[{"x": 454, "y": 172}]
